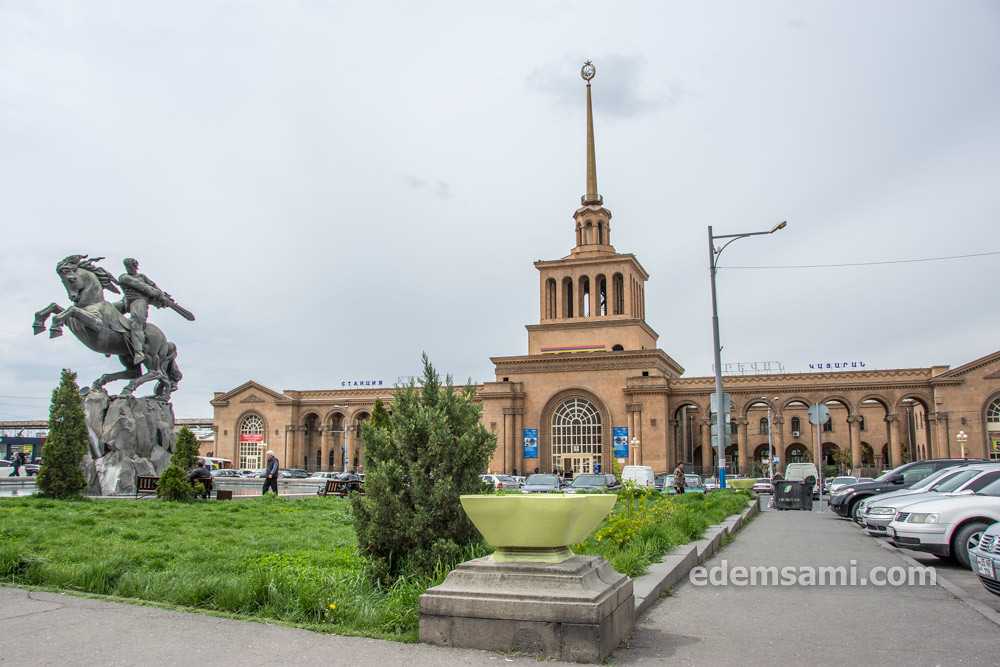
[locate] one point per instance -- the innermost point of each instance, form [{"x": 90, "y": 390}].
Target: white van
[
  {"x": 641, "y": 475},
  {"x": 798, "y": 472}
]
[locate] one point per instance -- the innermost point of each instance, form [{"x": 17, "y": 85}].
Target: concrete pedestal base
[{"x": 577, "y": 610}]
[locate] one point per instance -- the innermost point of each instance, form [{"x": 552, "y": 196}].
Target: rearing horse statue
[{"x": 103, "y": 327}]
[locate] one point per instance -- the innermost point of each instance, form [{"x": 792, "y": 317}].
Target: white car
[
  {"x": 880, "y": 511},
  {"x": 6, "y": 468},
  {"x": 947, "y": 527},
  {"x": 501, "y": 481}
]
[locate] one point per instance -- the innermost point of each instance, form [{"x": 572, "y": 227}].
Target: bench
[
  {"x": 340, "y": 487},
  {"x": 146, "y": 485}
]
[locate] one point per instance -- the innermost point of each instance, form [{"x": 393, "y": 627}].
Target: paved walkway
[
  {"x": 763, "y": 625},
  {"x": 916, "y": 625}
]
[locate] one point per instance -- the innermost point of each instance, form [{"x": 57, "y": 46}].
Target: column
[
  {"x": 854, "y": 433},
  {"x": 337, "y": 443},
  {"x": 816, "y": 443},
  {"x": 324, "y": 435},
  {"x": 349, "y": 461},
  {"x": 778, "y": 440},
  {"x": 674, "y": 454},
  {"x": 706, "y": 449},
  {"x": 743, "y": 446},
  {"x": 939, "y": 432},
  {"x": 637, "y": 419},
  {"x": 518, "y": 453},
  {"x": 631, "y": 434},
  {"x": 895, "y": 442}
]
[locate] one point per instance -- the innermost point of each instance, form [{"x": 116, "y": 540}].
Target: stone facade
[{"x": 593, "y": 369}]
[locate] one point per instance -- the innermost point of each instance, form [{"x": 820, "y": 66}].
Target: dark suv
[{"x": 847, "y": 499}]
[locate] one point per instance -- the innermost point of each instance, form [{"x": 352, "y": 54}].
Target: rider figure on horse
[{"x": 139, "y": 292}]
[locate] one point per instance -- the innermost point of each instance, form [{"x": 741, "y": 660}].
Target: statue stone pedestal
[
  {"x": 577, "y": 610},
  {"x": 129, "y": 437}
]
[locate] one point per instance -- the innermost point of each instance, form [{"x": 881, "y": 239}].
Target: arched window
[
  {"x": 567, "y": 297},
  {"x": 763, "y": 426},
  {"x": 550, "y": 299},
  {"x": 588, "y": 233},
  {"x": 251, "y": 443},
  {"x": 734, "y": 428},
  {"x": 600, "y": 233},
  {"x": 828, "y": 425},
  {"x": 602, "y": 294},
  {"x": 796, "y": 424},
  {"x": 331, "y": 459},
  {"x": 618, "y": 283},
  {"x": 617, "y": 348},
  {"x": 993, "y": 413},
  {"x": 584, "y": 292},
  {"x": 577, "y": 432},
  {"x": 861, "y": 422}
]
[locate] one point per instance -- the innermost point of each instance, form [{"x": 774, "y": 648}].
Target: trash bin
[
  {"x": 764, "y": 501},
  {"x": 790, "y": 495}
]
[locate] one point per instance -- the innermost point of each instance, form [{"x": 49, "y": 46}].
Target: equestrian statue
[{"x": 120, "y": 328}]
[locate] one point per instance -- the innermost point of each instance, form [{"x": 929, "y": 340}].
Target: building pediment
[
  {"x": 249, "y": 392},
  {"x": 990, "y": 363}
]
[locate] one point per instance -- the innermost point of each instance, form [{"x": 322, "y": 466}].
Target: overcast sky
[{"x": 334, "y": 187}]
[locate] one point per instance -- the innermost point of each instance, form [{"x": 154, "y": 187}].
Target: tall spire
[{"x": 592, "y": 197}]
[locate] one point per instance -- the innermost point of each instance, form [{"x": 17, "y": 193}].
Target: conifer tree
[
  {"x": 61, "y": 473},
  {"x": 419, "y": 458},
  {"x": 174, "y": 484}
]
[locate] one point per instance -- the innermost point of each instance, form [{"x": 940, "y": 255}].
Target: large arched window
[
  {"x": 251, "y": 443},
  {"x": 576, "y": 430},
  {"x": 993, "y": 413},
  {"x": 567, "y": 297},
  {"x": 763, "y": 426},
  {"x": 993, "y": 429}
]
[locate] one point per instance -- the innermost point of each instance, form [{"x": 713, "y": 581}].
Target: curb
[
  {"x": 963, "y": 597},
  {"x": 676, "y": 564}
]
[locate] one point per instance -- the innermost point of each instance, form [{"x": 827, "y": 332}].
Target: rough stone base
[
  {"x": 578, "y": 610},
  {"x": 129, "y": 437}
]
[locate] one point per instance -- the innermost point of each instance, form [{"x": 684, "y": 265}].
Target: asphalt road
[
  {"x": 811, "y": 625},
  {"x": 717, "y": 625}
]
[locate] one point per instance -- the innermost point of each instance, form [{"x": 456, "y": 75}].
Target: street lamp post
[
  {"x": 713, "y": 259},
  {"x": 770, "y": 442},
  {"x": 962, "y": 437}
]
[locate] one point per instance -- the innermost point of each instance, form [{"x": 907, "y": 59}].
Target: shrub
[
  {"x": 185, "y": 454},
  {"x": 420, "y": 457},
  {"x": 61, "y": 474},
  {"x": 174, "y": 485}
]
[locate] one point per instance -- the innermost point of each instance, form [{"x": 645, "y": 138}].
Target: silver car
[{"x": 881, "y": 510}]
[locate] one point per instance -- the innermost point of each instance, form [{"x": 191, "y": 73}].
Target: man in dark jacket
[
  {"x": 271, "y": 474},
  {"x": 202, "y": 475},
  {"x": 17, "y": 463}
]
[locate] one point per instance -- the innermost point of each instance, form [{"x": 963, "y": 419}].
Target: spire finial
[{"x": 592, "y": 197}]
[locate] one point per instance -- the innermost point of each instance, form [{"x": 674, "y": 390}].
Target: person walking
[
  {"x": 17, "y": 463},
  {"x": 271, "y": 474},
  {"x": 679, "y": 482}
]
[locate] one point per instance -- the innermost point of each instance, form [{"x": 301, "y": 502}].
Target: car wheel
[
  {"x": 854, "y": 511},
  {"x": 967, "y": 538}
]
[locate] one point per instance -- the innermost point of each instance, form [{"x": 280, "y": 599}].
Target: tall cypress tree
[
  {"x": 61, "y": 474},
  {"x": 174, "y": 484}
]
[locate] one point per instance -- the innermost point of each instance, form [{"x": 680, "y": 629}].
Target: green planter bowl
[{"x": 538, "y": 527}]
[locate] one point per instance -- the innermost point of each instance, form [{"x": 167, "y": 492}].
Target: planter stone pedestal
[{"x": 577, "y": 610}]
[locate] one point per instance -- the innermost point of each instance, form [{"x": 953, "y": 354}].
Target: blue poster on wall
[
  {"x": 619, "y": 436},
  {"x": 530, "y": 443}
]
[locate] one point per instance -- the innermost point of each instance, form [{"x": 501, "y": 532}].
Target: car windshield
[
  {"x": 588, "y": 480},
  {"x": 953, "y": 481},
  {"x": 506, "y": 479},
  {"x": 543, "y": 480}
]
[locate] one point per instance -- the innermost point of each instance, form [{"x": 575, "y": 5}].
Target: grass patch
[
  {"x": 292, "y": 561},
  {"x": 295, "y": 562},
  {"x": 639, "y": 532}
]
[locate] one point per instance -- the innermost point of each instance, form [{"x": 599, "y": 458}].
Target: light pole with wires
[{"x": 713, "y": 259}]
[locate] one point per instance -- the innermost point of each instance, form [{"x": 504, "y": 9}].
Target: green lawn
[{"x": 293, "y": 561}]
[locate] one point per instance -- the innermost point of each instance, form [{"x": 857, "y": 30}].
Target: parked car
[
  {"x": 985, "y": 559},
  {"x": 661, "y": 480},
  {"x": 762, "y": 485},
  {"x": 612, "y": 481},
  {"x": 921, "y": 486},
  {"x": 839, "y": 482},
  {"x": 542, "y": 483},
  {"x": 845, "y": 501},
  {"x": 588, "y": 484},
  {"x": 294, "y": 473},
  {"x": 692, "y": 484},
  {"x": 641, "y": 475},
  {"x": 881, "y": 510},
  {"x": 711, "y": 484},
  {"x": 949, "y": 527},
  {"x": 6, "y": 467},
  {"x": 327, "y": 474},
  {"x": 500, "y": 481},
  {"x": 226, "y": 473}
]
